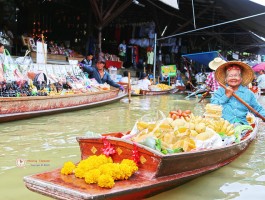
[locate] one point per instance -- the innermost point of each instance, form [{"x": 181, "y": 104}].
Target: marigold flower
[
  {"x": 106, "y": 181},
  {"x": 131, "y": 163},
  {"x": 68, "y": 168},
  {"x": 101, "y": 169},
  {"x": 92, "y": 176},
  {"x": 126, "y": 171}
]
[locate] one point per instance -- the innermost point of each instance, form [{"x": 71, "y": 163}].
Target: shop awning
[{"x": 203, "y": 58}]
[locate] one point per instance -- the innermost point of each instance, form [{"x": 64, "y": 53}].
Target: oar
[
  {"x": 204, "y": 95},
  {"x": 129, "y": 86},
  {"x": 244, "y": 103}
]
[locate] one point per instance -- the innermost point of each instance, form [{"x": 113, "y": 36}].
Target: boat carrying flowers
[{"x": 159, "y": 153}]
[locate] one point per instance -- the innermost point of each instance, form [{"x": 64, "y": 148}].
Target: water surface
[{"x": 49, "y": 141}]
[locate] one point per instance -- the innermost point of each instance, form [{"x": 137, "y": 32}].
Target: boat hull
[
  {"x": 16, "y": 108},
  {"x": 157, "y": 172},
  {"x": 148, "y": 92}
]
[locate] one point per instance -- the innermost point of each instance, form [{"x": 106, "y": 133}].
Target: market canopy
[{"x": 203, "y": 58}]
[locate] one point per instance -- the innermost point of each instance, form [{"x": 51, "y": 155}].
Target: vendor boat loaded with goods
[
  {"x": 159, "y": 153},
  {"x": 48, "y": 89}
]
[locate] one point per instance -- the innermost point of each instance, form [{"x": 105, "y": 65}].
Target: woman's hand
[{"x": 229, "y": 91}]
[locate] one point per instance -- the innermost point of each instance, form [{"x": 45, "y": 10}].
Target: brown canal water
[{"x": 47, "y": 142}]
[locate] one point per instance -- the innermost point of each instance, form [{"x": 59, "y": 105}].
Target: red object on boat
[
  {"x": 110, "y": 63},
  {"x": 156, "y": 172}
]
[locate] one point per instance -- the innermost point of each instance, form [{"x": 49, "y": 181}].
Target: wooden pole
[
  {"x": 129, "y": 86},
  {"x": 244, "y": 103}
]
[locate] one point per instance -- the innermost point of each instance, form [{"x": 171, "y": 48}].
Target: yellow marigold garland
[{"x": 101, "y": 170}]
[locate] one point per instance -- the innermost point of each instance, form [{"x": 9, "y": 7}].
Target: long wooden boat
[
  {"x": 161, "y": 92},
  {"x": 157, "y": 172},
  {"x": 16, "y": 108}
]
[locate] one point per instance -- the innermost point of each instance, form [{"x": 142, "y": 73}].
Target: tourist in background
[
  {"x": 144, "y": 83},
  {"x": 261, "y": 79},
  {"x": 122, "y": 51},
  {"x": 88, "y": 60},
  {"x": 125, "y": 78},
  {"x": 210, "y": 82},
  {"x": 150, "y": 60}
]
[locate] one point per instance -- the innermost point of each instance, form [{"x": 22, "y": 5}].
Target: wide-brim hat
[
  {"x": 215, "y": 63},
  {"x": 246, "y": 72}
]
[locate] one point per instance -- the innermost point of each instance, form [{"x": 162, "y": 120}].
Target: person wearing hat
[
  {"x": 143, "y": 82},
  {"x": 88, "y": 60},
  {"x": 210, "y": 82},
  {"x": 99, "y": 73},
  {"x": 236, "y": 76}
]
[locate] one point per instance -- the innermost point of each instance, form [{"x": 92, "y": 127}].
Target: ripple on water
[
  {"x": 261, "y": 178},
  {"x": 53, "y": 138},
  {"x": 243, "y": 191}
]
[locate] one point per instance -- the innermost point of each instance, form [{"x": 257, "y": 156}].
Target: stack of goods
[
  {"x": 213, "y": 111},
  {"x": 181, "y": 131},
  {"x": 41, "y": 85},
  {"x": 160, "y": 87}
]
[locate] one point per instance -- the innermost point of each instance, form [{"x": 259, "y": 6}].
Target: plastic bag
[
  {"x": 209, "y": 139},
  {"x": 141, "y": 125}
]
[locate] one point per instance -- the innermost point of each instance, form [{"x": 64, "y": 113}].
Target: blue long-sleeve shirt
[
  {"x": 233, "y": 110},
  {"x": 94, "y": 73}
]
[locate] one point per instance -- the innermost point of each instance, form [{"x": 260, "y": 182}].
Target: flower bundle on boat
[{"x": 101, "y": 170}]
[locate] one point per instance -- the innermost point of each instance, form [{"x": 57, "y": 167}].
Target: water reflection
[{"x": 52, "y": 138}]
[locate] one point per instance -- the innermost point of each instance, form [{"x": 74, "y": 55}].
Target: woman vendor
[{"x": 236, "y": 75}]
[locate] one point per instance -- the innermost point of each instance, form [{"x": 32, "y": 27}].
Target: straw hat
[
  {"x": 215, "y": 63},
  {"x": 246, "y": 72}
]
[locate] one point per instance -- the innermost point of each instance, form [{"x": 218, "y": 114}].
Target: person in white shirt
[
  {"x": 144, "y": 82},
  {"x": 150, "y": 60},
  {"x": 125, "y": 78},
  {"x": 261, "y": 79}
]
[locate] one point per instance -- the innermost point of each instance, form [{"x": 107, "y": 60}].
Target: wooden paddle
[
  {"x": 244, "y": 103},
  {"x": 204, "y": 95},
  {"x": 129, "y": 86}
]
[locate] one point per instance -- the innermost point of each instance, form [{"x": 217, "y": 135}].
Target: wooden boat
[
  {"x": 15, "y": 108},
  {"x": 157, "y": 172},
  {"x": 161, "y": 92}
]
